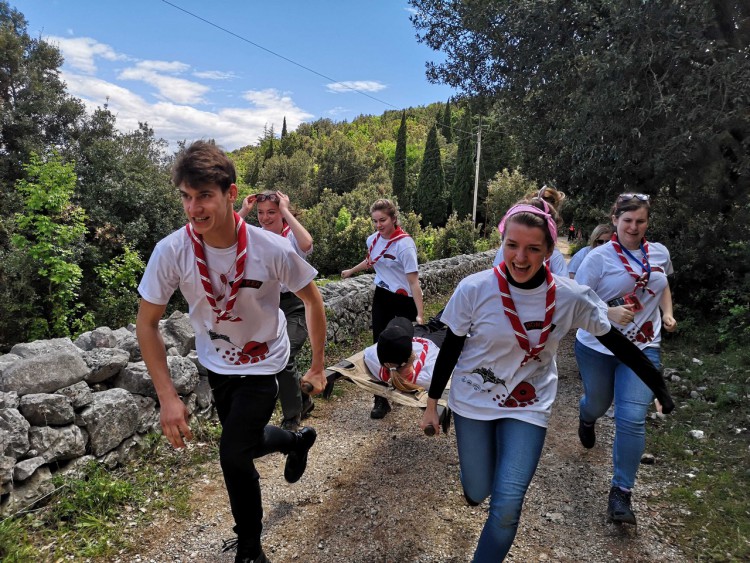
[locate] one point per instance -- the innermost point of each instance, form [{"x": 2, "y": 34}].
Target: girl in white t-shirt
[
  {"x": 393, "y": 255},
  {"x": 504, "y": 327},
  {"x": 600, "y": 235},
  {"x": 275, "y": 216},
  {"x": 630, "y": 274}
]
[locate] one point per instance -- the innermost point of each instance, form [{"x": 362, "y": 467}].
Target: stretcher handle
[{"x": 429, "y": 430}]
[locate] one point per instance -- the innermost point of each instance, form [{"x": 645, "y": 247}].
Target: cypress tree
[
  {"x": 399, "y": 165},
  {"x": 429, "y": 199},
  {"x": 445, "y": 125},
  {"x": 283, "y": 128},
  {"x": 462, "y": 191}
]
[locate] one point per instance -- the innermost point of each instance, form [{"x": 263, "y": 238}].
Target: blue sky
[{"x": 188, "y": 79}]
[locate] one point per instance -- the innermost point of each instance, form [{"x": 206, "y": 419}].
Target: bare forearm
[
  {"x": 316, "y": 324},
  {"x": 304, "y": 239},
  {"x": 155, "y": 357},
  {"x": 665, "y": 303}
]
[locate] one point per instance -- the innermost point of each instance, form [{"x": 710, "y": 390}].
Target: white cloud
[
  {"x": 80, "y": 52},
  {"x": 214, "y": 75},
  {"x": 231, "y": 127},
  {"x": 174, "y": 67},
  {"x": 170, "y": 88},
  {"x": 338, "y": 110},
  {"x": 349, "y": 86}
]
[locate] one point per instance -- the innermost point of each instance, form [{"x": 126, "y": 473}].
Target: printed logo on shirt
[
  {"x": 389, "y": 256},
  {"x": 250, "y": 353},
  {"x": 384, "y": 285},
  {"x": 252, "y": 284},
  {"x": 657, "y": 269},
  {"x": 537, "y": 325}
]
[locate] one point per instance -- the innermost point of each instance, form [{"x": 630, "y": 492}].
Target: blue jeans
[
  {"x": 498, "y": 458},
  {"x": 605, "y": 376}
]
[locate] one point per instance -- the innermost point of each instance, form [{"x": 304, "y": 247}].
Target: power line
[{"x": 275, "y": 54}]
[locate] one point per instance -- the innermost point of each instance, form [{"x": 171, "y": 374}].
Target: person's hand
[
  {"x": 430, "y": 418},
  {"x": 622, "y": 314},
  {"x": 346, "y": 274},
  {"x": 317, "y": 379},
  {"x": 669, "y": 323},
  {"x": 247, "y": 205},
  {"x": 174, "y": 422},
  {"x": 420, "y": 320},
  {"x": 283, "y": 201}
]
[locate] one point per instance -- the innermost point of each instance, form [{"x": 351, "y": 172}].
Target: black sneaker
[
  {"x": 618, "y": 508},
  {"x": 242, "y": 551},
  {"x": 307, "y": 406},
  {"x": 296, "y": 461},
  {"x": 587, "y": 434},
  {"x": 381, "y": 408}
]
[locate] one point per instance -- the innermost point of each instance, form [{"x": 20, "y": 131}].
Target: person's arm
[
  {"x": 363, "y": 265},
  {"x": 173, "y": 412},
  {"x": 416, "y": 292},
  {"x": 667, "y": 315},
  {"x": 247, "y": 206},
  {"x": 304, "y": 239},
  {"x": 316, "y": 327},
  {"x": 633, "y": 357},
  {"x": 444, "y": 364}
]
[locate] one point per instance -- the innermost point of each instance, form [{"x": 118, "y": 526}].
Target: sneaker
[
  {"x": 296, "y": 461},
  {"x": 291, "y": 424},
  {"x": 618, "y": 508},
  {"x": 242, "y": 552},
  {"x": 587, "y": 434},
  {"x": 307, "y": 406},
  {"x": 381, "y": 408}
]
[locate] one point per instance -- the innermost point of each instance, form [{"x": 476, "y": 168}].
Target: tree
[
  {"x": 399, "y": 164},
  {"x": 429, "y": 198},
  {"x": 462, "y": 190},
  {"x": 283, "y": 128},
  {"x": 445, "y": 124}
]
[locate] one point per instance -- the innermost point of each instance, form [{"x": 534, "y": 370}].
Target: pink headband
[{"x": 525, "y": 208}]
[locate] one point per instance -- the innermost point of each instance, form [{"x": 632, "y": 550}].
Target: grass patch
[{"x": 709, "y": 478}]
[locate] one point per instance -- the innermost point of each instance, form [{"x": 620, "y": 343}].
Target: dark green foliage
[
  {"x": 399, "y": 163},
  {"x": 462, "y": 190},
  {"x": 283, "y": 128},
  {"x": 445, "y": 124},
  {"x": 457, "y": 237},
  {"x": 429, "y": 199}
]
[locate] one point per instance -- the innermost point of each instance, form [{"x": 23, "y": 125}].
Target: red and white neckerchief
[
  {"x": 200, "y": 260},
  {"x": 512, "y": 314},
  {"x": 286, "y": 230},
  {"x": 641, "y": 282},
  {"x": 385, "y": 374},
  {"x": 398, "y": 234}
]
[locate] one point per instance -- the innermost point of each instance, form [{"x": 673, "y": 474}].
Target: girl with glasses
[
  {"x": 630, "y": 275},
  {"x": 601, "y": 235},
  {"x": 504, "y": 327},
  {"x": 276, "y": 216}
]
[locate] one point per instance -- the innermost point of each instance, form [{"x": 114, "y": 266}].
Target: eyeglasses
[
  {"x": 260, "y": 198},
  {"x": 628, "y": 197},
  {"x": 600, "y": 241}
]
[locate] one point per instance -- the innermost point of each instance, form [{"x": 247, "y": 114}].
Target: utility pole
[{"x": 476, "y": 172}]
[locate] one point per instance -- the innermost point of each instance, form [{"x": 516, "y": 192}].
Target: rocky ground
[{"x": 381, "y": 491}]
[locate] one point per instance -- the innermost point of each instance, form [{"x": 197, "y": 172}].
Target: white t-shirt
[
  {"x": 258, "y": 344},
  {"x": 488, "y": 382},
  {"x": 421, "y": 347},
  {"x": 391, "y": 268},
  {"x": 301, "y": 253},
  {"x": 557, "y": 263},
  {"x": 577, "y": 259},
  {"x": 603, "y": 271}
]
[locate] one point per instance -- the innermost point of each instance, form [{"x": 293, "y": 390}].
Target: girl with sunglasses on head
[
  {"x": 555, "y": 199},
  {"x": 630, "y": 275},
  {"x": 504, "y": 327},
  {"x": 275, "y": 215},
  {"x": 393, "y": 255},
  {"x": 601, "y": 235}
]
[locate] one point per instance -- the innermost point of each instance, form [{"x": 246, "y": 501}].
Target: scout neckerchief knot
[
  {"x": 641, "y": 282},
  {"x": 398, "y": 234},
  {"x": 286, "y": 230},
  {"x": 200, "y": 260},
  {"x": 510, "y": 311}
]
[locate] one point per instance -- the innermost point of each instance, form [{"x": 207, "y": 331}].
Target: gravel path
[{"x": 380, "y": 491}]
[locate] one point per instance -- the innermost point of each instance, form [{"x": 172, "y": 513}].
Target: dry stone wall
[{"x": 64, "y": 403}]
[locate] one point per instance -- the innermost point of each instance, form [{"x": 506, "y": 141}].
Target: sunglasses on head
[
  {"x": 260, "y": 198},
  {"x": 628, "y": 197}
]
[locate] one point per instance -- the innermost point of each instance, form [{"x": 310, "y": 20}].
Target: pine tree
[
  {"x": 429, "y": 199},
  {"x": 399, "y": 165},
  {"x": 462, "y": 191},
  {"x": 283, "y": 128},
  {"x": 445, "y": 124}
]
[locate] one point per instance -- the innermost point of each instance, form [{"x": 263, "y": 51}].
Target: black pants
[
  {"x": 387, "y": 305},
  {"x": 245, "y": 405}
]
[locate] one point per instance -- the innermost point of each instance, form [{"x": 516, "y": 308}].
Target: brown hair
[
  {"x": 201, "y": 164},
  {"x": 552, "y": 196},
  {"x": 532, "y": 220},
  {"x": 631, "y": 202},
  {"x": 599, "y": 230},
  {"x": 387, "y": 207}
]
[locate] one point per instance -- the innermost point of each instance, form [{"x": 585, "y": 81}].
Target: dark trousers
[
  {"x": 245, "y": 405},
  {"x": 290, "y": 394},
  {"x": 387, "y": 305}
]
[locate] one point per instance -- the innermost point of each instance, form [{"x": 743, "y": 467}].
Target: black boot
[
  {"x": 381, "y": 408},
  {"x": 618, "y": 507},
  {"x": 296, "y": 460},
  {"x": 587, "y": 434}
]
